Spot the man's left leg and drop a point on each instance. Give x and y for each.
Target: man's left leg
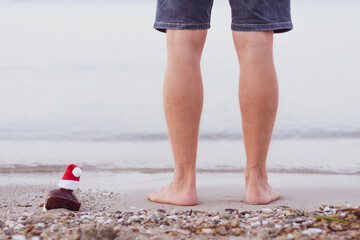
(258, 96)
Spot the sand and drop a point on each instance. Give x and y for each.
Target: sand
(110, 192)
(217, 191)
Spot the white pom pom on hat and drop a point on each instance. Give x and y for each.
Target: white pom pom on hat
(76, 172)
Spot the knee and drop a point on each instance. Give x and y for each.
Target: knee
(185, 45)
(253, 43)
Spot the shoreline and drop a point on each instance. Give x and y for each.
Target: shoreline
(332, 156)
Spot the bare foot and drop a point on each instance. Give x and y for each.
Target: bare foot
(260, 192)
(175, 194)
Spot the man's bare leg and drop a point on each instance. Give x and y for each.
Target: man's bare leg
(183, 100)
(258, 95)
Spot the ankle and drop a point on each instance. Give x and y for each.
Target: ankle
(255, 174)
(184, 180)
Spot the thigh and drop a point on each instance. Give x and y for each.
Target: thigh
(261, 15)
(183, 14)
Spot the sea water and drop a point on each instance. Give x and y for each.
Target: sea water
(82, 81)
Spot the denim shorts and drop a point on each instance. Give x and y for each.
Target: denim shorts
(247, 15)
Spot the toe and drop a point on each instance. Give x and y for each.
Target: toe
(149, 195)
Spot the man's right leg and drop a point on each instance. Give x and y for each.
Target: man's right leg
(183, 100)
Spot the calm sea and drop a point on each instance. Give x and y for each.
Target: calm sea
(82, 81)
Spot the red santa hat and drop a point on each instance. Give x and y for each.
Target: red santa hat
(71, 177)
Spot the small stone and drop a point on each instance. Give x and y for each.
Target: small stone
(199, 221)
(237, 231)
(10, 224)
(296, 225)
(307, 222)
(182, 231)
(27, 214)
(153, 217)
(253, 219)
(266, 210)
(18, 237)
(18, 226)
(208, 230)
(22, 219)
(299, 220)
(71, 214)
(254, 224)
(290, 236)
(278, 226)
(221, 230)
(84, 217)
(47, 217)
(134, 219)
(326, 209)
(43, 235)
(40, 225)
(233, 223)
(311, 231)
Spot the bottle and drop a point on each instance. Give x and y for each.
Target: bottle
(64, 197)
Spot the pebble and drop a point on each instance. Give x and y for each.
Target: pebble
(233, 223)
(43, 235)
(19, 226)
(199, 221)
(266, 210)
(208, 230)
(290, 236)
(253, 224)
(40, 225)
(253, 219)
(326, 209)
(27, 214)
(10, 224)
(84, 217)
(18, 237)
(311, 231)
(278, 226)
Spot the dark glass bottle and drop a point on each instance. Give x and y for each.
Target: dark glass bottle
(62, 198)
